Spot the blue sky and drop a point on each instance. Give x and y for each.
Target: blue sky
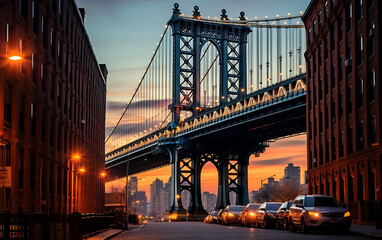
(124, 34)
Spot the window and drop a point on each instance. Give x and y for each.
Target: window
(326, 150)
(348, 61)
(42, 32)
(320, 123)
(350, 140)
(360, 93)
(340, 29)
(33, 172)
(34, 20)
(33, 69)
(360, 50)
(373, 130)
(309, 32)
(51, 43)
(332, 38)
(21, 169)
(326, 47)
(58, 95)
(333, 111)
(8, 103)
(59, 54)
(359, 10)
(33, 119)
(349, 15)
(43, 122)
(349, 104)
(342, 144)
(370, 40)
(42, 77)
(334, 147)
(320, 56)
(24, 8)
(333, 75)
(371, 85)
(21, 112)
(360, 136)
(20, 53)
(340, 68)
(341, 107)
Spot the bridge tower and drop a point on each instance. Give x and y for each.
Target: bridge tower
(230, 39)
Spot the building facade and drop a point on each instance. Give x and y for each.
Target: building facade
(156, 200)
(52, 114)
(291, 175)
(343, 103)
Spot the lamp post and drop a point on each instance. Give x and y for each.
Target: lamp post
(261, 194)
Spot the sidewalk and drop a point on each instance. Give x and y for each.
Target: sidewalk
(366, 230)
(112, 233)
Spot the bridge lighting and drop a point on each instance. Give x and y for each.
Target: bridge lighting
(251, 86)
(288, 14)
(208, 17)
(277, 16)
(266, 17)
(301, 12)
(197, 108)
(222, 97)
(255, 18)
(281, 74)
(216, 18)
(161, 35)
(177, 196)
(166, 26)
(242, 89)
(285, 23)
(298, 22)
(300, 66)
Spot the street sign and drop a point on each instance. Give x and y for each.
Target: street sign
(5, 177)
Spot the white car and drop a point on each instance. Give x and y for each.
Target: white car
(318, 211)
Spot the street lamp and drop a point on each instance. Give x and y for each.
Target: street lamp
(15, 58)
(261, 194)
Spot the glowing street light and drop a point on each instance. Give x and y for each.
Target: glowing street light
(15, 58)
(82, 170)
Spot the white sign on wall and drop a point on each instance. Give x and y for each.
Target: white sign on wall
(5, 177)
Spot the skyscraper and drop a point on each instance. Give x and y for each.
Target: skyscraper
(292, 175)
(156, 199)
(208, 201)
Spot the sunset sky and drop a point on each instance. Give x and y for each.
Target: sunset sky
(124, 34)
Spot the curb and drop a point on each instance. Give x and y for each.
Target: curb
(368, 235)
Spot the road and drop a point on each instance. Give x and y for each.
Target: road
(199, 230)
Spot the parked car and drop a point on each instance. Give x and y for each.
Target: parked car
(248, 215)
(214, 216)
(266, 214)
(208, 218)
(282, 215)
(211, 216)
(231, 214)
(219, 216)
(318, 211)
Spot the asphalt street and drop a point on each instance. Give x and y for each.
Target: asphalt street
(199, 230)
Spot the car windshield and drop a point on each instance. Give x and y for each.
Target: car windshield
(254, 207)
(289, 204)
(321, 202)
(215, 213)
(273, 206)
(236, 208)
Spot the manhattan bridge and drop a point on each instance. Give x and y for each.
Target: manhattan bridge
(215, 90)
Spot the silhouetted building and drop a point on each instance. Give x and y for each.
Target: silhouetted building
(291, 175)
(52, 108)
(254, 197)
(343, 103)
(139, 203)
(156, 199)
(208, 201)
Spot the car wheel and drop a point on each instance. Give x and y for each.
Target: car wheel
(285, 224)
(291, 226)
(246, 224)
(257, 223)
(265, 222)
(304, 229)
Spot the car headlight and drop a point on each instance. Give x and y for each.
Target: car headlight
(252, 214)
(314, 214)
(347, 214)
(231, 214)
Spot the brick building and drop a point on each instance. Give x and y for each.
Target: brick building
(343, 103)
(52, 109)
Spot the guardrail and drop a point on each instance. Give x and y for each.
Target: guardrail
(42, 226)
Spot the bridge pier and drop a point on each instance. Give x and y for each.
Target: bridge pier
(195, 208)
(242, 191)
(223, 194)
(175, 195)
